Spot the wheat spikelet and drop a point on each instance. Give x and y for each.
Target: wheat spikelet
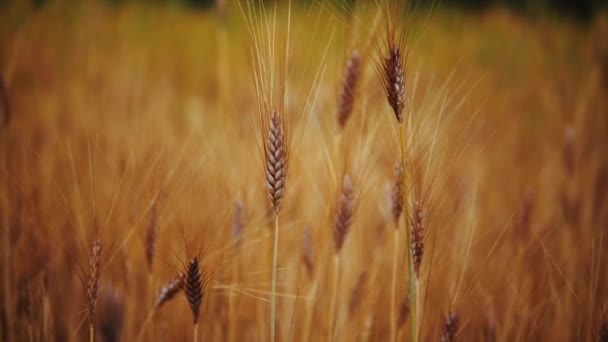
(450, 327)
(397, 194)
(193, 287)
(93, 280)
(276, 160)
(417, 226)
(347, 95)
(168, 292)
(394, 79)
(346, 207)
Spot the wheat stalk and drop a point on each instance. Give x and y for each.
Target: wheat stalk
(276, 159)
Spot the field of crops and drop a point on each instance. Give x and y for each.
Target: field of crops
(237, 173)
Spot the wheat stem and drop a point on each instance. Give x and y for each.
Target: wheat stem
(274, 278)
(91, 333)
(145, 325)
(394, 286)
(418, 306)
(406, 215)
(195, 337)
(334, 293)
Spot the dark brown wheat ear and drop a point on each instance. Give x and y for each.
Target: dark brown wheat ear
(391, 61)
(193, 287)
(348, 88)
(417, 234)
(276, 155)
(344, 215)
(93, 280)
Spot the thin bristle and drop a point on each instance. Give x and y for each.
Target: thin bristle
(168, 292)
(276, 160)
(397, 194)
(93, 280)
(193, 286)
(151, 236)
(348, 90)
(346, 206)
(450, 327)
(417, 226)
(394, 76)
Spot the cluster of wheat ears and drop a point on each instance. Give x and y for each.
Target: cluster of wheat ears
(354, 208)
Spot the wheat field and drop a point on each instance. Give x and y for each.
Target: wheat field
(237, 173)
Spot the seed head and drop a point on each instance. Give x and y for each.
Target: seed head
(348, 89)
(193, 283)
(276, 160)
(346, 207)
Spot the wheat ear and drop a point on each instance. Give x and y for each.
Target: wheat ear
(348, 89)
(193, 286)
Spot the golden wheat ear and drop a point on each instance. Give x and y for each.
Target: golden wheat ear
(276, 159)
(348, 88)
